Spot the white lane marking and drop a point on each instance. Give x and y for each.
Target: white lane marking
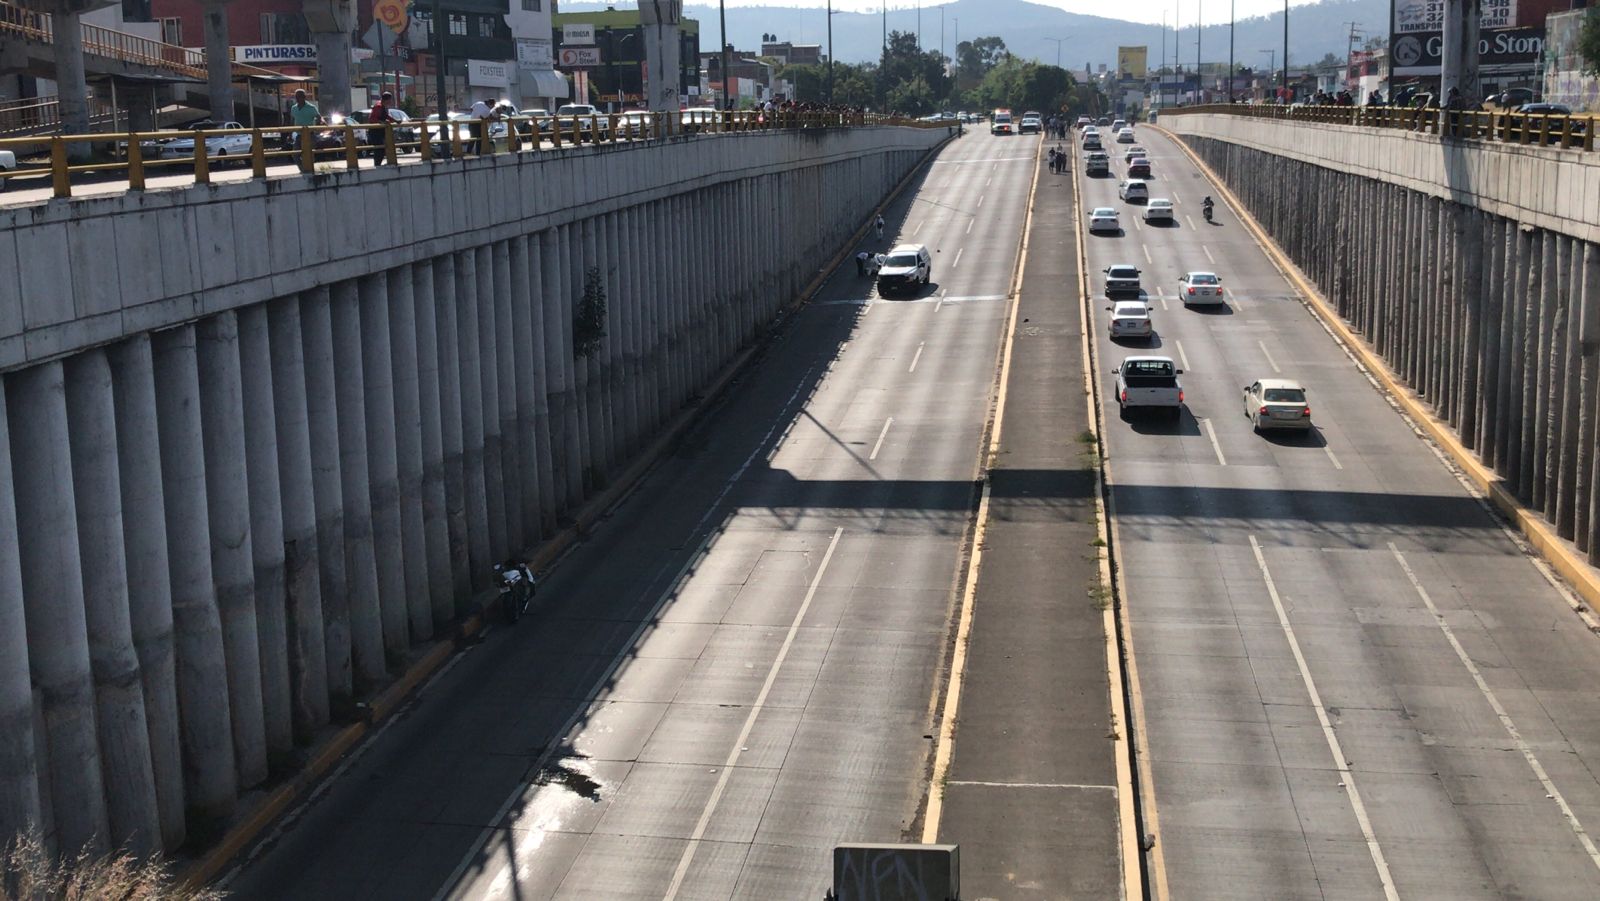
(1268, 354)
(969, 224)
(1340, 761)
(1182, 357)
(1139, 227)
(882, 434)
(918, 230)
(988, 182)
(1211, 432)
(1236, 299)
(990, 159)
(958, 258)
(1505, 719)
(1191, 223)
(1163, 300)
(1147, 259)
(1030, 784)
(749, 724)
(1331, 458)
(980, 201)
(1208, 254)
(504, 878)
(918, 355)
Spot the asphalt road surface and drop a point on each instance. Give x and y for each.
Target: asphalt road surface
(739, 668)
(1355, 683)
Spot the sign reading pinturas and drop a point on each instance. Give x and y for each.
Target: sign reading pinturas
(276, 53)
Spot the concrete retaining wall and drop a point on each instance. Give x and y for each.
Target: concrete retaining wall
(1493, 321)
(261, 441)
(1553, 189)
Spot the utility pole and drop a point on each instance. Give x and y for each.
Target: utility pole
(1199, 29)
(1230, 50)
(830, 52)
(942, 56)
(1161, 78)
(727, 75)
(919, 25)
(1286, 50)
(440, 26)
(1057, 42)
(1459, 57)
(1272, 64)
(1349, 52)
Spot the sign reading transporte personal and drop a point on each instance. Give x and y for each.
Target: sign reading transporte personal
(276, 53)
(579, 57)
(574, 34)
(1416, 16)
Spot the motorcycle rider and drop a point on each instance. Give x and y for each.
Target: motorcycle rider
(1208, 203)
(517, 587)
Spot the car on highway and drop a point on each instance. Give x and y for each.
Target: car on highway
(1139, 167)
(538, 115)
(1118, 125)
(906, 267)
(585, 118)
(1130, 319)
(1091, 141)
(1133, 190)
(1104, 219)
(1149, 383)
(8, 163)
(1084, 122)
(1031, 125)
(1133, 153)
(1088, 132)
(463, 128)
(635, 124)
(1104, 122)
(1124, 136)
(1546, 109)
(1509, 99)
(1096, 163)
(404, 131)
(1122, 278)
(1276, 404)
(1200, 288)
(1158, 209)
(1000, 122)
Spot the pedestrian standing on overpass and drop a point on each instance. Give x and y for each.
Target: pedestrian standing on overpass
(482, 112)
(301, 113)
(378, 117)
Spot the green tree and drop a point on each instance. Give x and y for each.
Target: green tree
(975, 58)
(810, 81)
(1022, 85)
(855, 85)
(903, 63)
(914, 97)
(1589, 42)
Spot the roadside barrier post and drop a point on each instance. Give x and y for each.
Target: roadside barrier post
(258, 154)
(60, 178)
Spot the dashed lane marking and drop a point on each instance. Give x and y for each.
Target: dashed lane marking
(1268, 354)
(882, 434)
(1211, 432)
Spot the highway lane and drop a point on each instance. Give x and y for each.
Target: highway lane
(1355, 683)
(738, 669)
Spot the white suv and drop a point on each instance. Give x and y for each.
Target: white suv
(907, 266)
(1134, 190)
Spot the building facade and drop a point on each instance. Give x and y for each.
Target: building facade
(606, 49)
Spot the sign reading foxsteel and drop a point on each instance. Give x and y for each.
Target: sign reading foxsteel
(579, 57)
(276, 53)
(575, 34)
(488, 73)
(1499, 51)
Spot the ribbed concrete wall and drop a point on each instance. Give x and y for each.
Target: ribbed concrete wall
(232, 525)
(1494, 321)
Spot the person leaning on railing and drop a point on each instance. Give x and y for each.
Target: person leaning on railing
(302, 113)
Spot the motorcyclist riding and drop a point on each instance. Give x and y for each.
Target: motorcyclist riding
(1208, 203)
(517, 587)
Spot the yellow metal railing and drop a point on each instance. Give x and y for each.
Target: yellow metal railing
(139, 155)
(1575, 132)
(112, 44)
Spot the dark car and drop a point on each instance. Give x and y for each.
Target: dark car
(1122, 278)
(1546, 109)
(1139, 168)
(1537, 117)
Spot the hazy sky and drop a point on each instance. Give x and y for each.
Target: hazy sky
(1132, 10)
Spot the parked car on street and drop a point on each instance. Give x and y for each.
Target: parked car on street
(218, 147)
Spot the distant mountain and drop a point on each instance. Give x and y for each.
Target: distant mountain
(1314, 29)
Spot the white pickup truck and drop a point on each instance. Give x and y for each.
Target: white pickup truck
(1148, 382)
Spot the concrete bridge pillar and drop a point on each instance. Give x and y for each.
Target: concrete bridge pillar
(383, 465)
(527, 352)
(302, 567)
(72, 87)
(469, 360)
(435, 503)
(331, 23)
(119, 699)
(203, 686)
(507, 349)
(485, 290)
(266, 529)
(355, 490)
(219, 60)
(19, 770)
(149, 580)
(408, 431)
(52, 592)
(322, 419)
(450, 401)
(232, 560)
(662, 51)
(1459, 57)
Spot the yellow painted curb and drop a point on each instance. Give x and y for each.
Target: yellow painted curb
(988, 447)
(1554, 549)
(1124, 694)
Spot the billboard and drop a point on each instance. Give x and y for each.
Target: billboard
(275, 53)
(574, 33)
(534, 53)
(1501, 51)
(1131, 62)
(579, 57)
(1423, 16)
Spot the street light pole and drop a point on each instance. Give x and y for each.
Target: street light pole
(1286, 49)
(1272, 64)
(1199, 30)
(1230, 50)
(1057, 42)
(727, 76)
(830, 52)
(1161, 77)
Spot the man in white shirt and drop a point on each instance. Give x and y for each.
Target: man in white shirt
(482, 112)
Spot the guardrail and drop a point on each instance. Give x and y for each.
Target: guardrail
(141, 153)
(36, 114)
(1503, 126)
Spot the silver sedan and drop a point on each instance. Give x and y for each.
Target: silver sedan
(1277, 404)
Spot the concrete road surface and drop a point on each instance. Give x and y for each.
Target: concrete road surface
(738, 669)
(1355, 683)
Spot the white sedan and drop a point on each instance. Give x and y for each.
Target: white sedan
(1104, 219)
(1276, 404)
(1159, 209)
(1130, 319)
(1200, 287)
(1133, 153)
(8, 163)
(217, 146)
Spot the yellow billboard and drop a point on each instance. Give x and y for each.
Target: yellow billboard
(1131, 62)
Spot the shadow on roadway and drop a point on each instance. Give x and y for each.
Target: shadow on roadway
(1311, 437)
(921, 293)
(1209, 309)
(1161, 422)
